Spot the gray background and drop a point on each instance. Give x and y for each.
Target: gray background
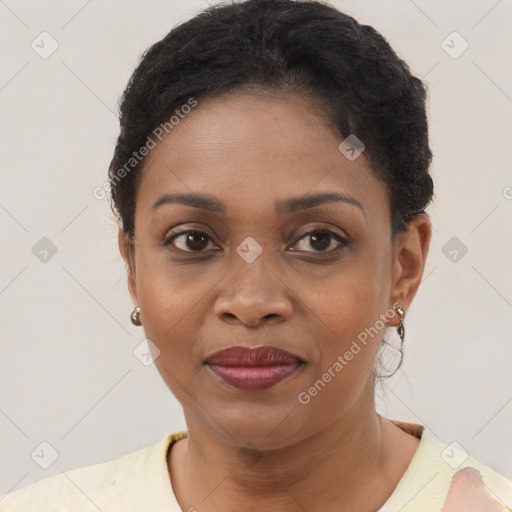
(68, 373)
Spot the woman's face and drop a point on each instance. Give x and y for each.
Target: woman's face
(258, 160)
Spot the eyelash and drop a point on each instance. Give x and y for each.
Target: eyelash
(343, 243)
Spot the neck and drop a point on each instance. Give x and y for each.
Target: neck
(334, 468)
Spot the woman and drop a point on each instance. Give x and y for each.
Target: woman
(271, 178)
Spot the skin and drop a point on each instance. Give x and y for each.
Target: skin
(265, 449)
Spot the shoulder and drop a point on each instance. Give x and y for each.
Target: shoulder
(103, 486)
(445, 477)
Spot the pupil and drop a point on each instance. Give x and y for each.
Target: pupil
(196, 241)
(320, 241)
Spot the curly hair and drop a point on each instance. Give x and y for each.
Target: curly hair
(306, 47)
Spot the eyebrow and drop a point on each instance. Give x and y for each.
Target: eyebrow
(284, 207)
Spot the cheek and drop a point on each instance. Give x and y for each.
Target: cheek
(343, 375)
(170, 321)
(170, 302)
(354, 297)
(167, 291)
(349, 313)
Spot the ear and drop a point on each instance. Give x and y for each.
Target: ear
(409, 255)
(127, 252)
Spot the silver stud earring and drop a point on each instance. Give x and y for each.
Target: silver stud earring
(135, 316)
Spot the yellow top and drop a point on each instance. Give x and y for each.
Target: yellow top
(439, 477)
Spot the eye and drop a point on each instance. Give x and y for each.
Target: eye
(321, 240)
(189, 241)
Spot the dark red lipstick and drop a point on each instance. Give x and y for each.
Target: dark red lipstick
(253, 369)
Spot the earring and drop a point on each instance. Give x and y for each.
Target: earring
(400, 328)
(401, 332)
(135, 316)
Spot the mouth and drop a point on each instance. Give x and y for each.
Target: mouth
(253, 369)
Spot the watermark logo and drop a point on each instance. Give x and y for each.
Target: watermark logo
(454, 249)
(454, 45)
(146, 352)
(454, 455)
(351, 147)
(44, 454)
(44, 45)
(44, 250)
(249, 249)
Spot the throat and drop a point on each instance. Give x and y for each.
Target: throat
(359, 473)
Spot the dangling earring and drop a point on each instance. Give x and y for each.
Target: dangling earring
(401, 332)
(135, 317)
(400, 328)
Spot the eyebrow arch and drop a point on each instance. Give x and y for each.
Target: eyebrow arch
(205, 202)
(310, 201)
(287, 206)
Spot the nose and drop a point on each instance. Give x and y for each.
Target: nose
(253, 295)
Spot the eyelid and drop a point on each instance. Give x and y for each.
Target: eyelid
(342, 240)
(185, 228)
(321, 227)
(170, 237)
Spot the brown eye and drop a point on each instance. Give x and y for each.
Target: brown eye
(321, 240)
(189, 241)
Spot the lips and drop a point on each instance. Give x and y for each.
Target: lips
(253, 369)
(256, 356)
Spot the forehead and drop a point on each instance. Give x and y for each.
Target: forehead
(250, 149)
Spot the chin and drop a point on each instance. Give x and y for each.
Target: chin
(257, 426)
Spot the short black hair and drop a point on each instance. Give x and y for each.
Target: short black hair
(306, 47)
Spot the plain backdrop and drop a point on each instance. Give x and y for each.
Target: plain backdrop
(69, 376)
